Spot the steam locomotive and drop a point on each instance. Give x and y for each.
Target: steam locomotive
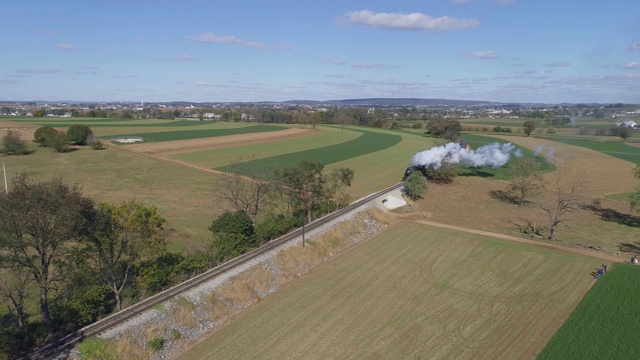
(423, 169)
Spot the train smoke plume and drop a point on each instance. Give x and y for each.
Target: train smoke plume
(493, 155)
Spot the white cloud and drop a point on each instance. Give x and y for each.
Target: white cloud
(67, 47)
(232, 40)
(631, 65)
(480, 54)
(202, 83)
(359, 65)
(558, 64)
(635, 46)
(413, 21)
(38, 71)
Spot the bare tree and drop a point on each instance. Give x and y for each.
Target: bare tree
(14, 288)
(248, 187)
(526, 181)
(566, 200)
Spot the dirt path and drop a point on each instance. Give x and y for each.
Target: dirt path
(584, 252)
(166, 148)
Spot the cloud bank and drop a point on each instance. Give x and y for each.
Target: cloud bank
(413, 21)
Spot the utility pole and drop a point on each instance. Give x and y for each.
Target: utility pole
(6, 189)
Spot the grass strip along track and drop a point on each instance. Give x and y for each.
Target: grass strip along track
(605, 324)
(202, 133)
(368, 143)
(414, 292)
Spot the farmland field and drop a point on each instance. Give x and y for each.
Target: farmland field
(605, 324)
(368, 143)
(414, 292)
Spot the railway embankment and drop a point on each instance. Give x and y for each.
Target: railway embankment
(188, 313)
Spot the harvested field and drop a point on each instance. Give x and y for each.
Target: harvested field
(166, 148)
(414, 292)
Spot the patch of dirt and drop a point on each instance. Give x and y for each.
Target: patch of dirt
(25, 130)
(165, 148)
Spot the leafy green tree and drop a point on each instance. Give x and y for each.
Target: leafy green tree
(415, 185)
(305, 185)
(445, 128)
(125, 233)
(77, 134)
(335, 185)
(57, 140)
(529, 126)
(40, 222)
(445, 173)
(526, 179)
(41, 134)
(233, 235)
(624, 132)
(38, 113)
(12, 144)
(635, 197)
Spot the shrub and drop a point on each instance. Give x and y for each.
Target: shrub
(446, 173)
(78, 134)
(41, 134)
(415, 185)
(57, 140)
(12, 144)
(156, 344)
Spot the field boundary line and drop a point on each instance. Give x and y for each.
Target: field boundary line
(518, 240)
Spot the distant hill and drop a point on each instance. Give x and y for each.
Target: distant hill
(393, 102)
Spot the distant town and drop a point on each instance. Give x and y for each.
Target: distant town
(379, 112)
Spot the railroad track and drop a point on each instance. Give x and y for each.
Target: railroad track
(67, 343)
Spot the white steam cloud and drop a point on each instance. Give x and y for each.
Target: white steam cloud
(493, 155)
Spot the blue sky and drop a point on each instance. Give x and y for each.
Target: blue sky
(276, 50)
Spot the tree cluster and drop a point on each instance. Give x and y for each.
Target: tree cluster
(444, 128)
(81, 260)
(58, 140)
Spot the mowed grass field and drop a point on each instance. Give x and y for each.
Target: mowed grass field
(605, 324)
(414, 292)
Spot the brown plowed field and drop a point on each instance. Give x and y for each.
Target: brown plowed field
(166, 148)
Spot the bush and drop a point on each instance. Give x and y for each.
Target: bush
(415, 185)
(57, 140)
(78, 134)
(12, 144)
(156, 344)
(445, 174)
(41, 134)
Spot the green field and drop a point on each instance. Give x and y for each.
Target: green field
(369, 142)
(223, 156)
(414, 292)
(614, 148)
(605, 324)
